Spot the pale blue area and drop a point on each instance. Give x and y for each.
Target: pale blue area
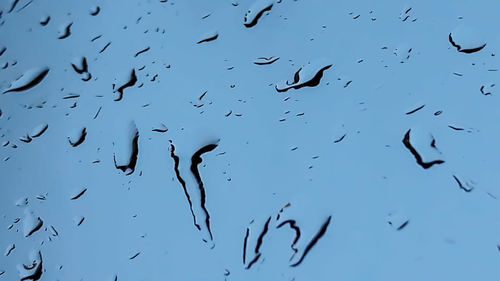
(363, 181)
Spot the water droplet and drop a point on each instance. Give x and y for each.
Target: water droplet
(39, 130)
(208, 36)
(94, 11)
(31, 224)
(28, 80)
(255, 11)
(127, 149)
(65, 30)
(466, 39)
(45, 20)
(77, 136)
(307, 76)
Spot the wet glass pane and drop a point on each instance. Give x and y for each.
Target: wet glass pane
(249, 140)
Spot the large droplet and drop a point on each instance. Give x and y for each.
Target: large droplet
(28, 80)
(126, 148)
(466, 39)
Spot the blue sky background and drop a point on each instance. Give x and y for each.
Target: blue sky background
(273, 149)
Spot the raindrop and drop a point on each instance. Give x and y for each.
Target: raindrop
(21, 202)
(79, 220)
(9, 249)
(28, 80)
(264, 60)
(39, 130)
(80, 194)
(35, 270)
(45, 20)
(127, 149)
(208, 36)
(308, 76)
(94, 11)
(160, 129)
(26, 139)
(31, 224)
(397, 220)
(12, 5)
(65, 30)
(255, 11)
(77, 137)
(132, 79)
(466, 40)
